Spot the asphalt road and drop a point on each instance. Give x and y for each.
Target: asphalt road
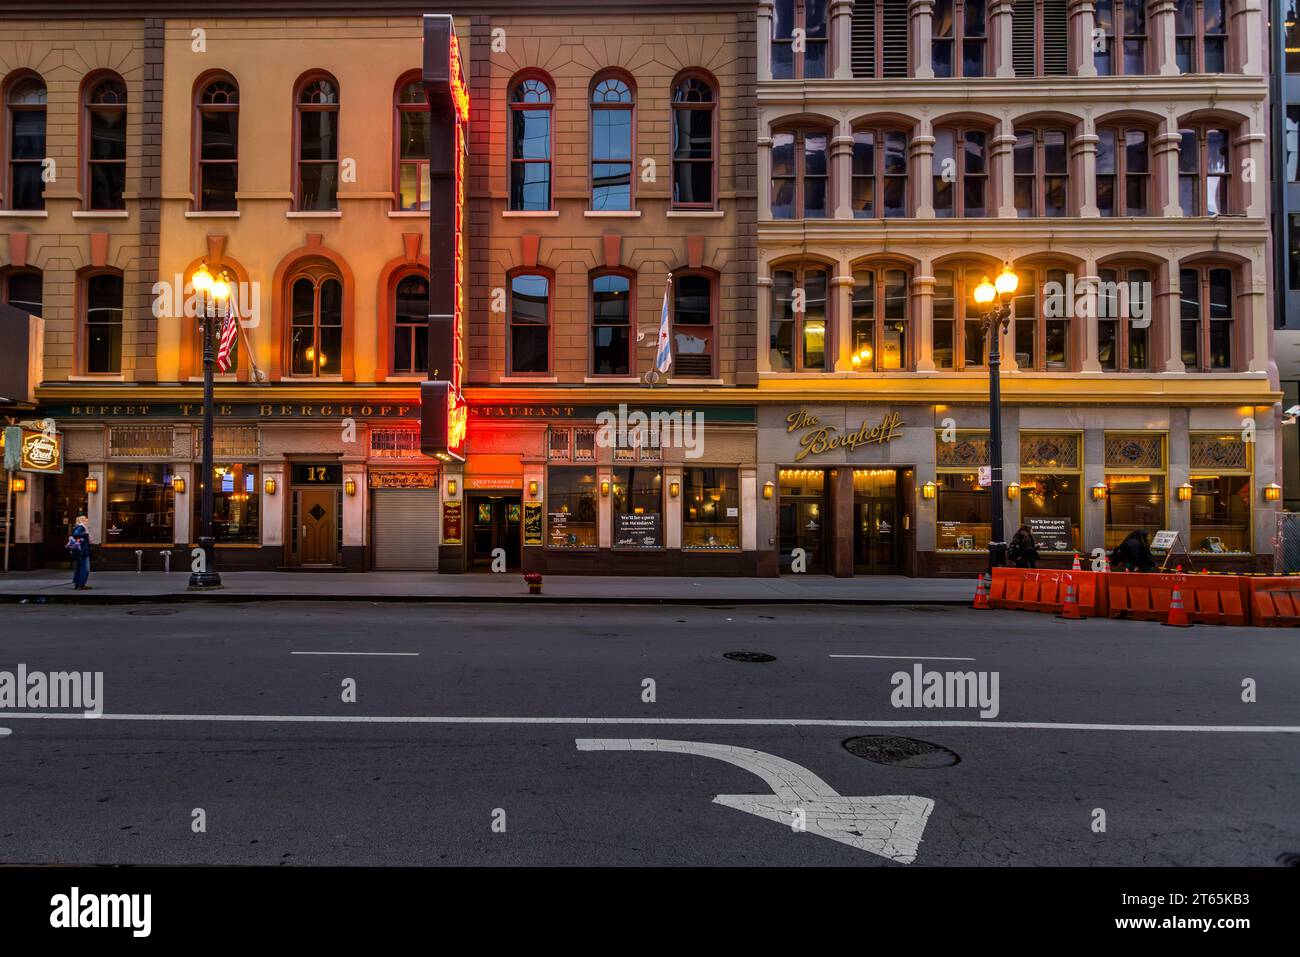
(123, 788)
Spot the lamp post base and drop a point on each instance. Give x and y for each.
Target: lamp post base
(209, 578)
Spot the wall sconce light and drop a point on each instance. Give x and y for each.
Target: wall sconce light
(178, 485)
(451, 487)
(92, 486)
(532, 488)
(1099, 491)
(929, 490)
(674, 488)
(269, 485)
(18, 483)
(604, 489)
(1272, 492)
(350, 486)
(1185, 492)
(768, 490)
(1013, 491)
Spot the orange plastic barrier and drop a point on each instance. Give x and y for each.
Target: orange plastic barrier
(1208, 599)
(1274, 602)
(1043, 589)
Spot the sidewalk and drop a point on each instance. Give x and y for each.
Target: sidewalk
(120, 587)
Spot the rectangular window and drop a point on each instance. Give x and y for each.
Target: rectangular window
(104, 324)
(1221, 470)
(530, 305)
(571, 507)
(710, 508)
(964, 512)
(944, 317)
(1051, 480)
(236, 505)
(413, 159)
(692, 327)
(1135, 484)
(636, 497)
(139, 506)
(611, 325)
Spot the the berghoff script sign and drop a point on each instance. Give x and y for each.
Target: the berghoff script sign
(818, 439)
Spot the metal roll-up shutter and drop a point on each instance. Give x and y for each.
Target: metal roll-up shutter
(405, 529)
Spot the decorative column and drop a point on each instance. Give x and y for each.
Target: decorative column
(920, 16)
(842, 286)
(766, 12)
(999, 19)
(1164, 151)
(921, 148)
(1082, 15)
(842, 169)
(922, 323)
(1251, 146)
(272, 504)
(1167, 312)
(841, 38)
(1247, 37)
(762, 320)
(1083, 167)
(1086, 336)
(1253, 305)
(1002, 170)
(764, 177)
(749, 509)
(1162, 57)
(354, 509)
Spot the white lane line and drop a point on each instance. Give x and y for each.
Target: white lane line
(4, 731)
(716, 722)
(904, 657)
(376, 654)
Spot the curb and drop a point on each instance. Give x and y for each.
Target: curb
(237, 597)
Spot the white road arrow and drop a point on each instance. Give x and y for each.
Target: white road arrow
(890, 825)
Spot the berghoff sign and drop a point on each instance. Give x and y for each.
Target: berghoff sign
(817, 439)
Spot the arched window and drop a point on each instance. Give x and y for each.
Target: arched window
(1123, 171)
(612, 129)
(412, 145)
(959, 338)
(799, 61)
(961, 172)
(102, 323)
(959, 38)
(105, 132)
(1123, 26)
(693, 331)
(879, 328)
(1042, 164)
(1124, 304)
(218, 145)
(879, 173)
(25, 134)
(1207, 313)
(611, 324)
(798, 336)
(1202, 36)
(800, 174)
(528, 343)
(411, 324)
(1205, 171)
(530, 145)
(1041, 311)
(316, 323)
(22, 289)
(317, 107)
(693, 143)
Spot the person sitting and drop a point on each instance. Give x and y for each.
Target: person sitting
(1023, 550)
(1133, 554)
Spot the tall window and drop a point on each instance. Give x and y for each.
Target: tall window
(529, 342)
(1051, 484)
(1041, 326)
(318, 145)
(1205, 172)
(1123, 172)
(611, 144)
(1124, 319)
(611, 324)
(879, 39)
(530, 145)
(798, 339)
(1207, 310)
(788, 61)
(139, 505)
(316, 334)
(878, 328)
(694, 106)
(963, 507)
(103, 323)
(1040, 37)
(1202, 36)
(1136, 477)
(236, 503)
(959, 41)
(1042, 162)
(710, 508)
(411, 324)
(800, 174)
(21, 289)
(961, 173)
(412, 146)
(879, 173)
(693, 333)
(106, 137)
(1123, 24)
(218, 146)
(959, 339)
(25, 102)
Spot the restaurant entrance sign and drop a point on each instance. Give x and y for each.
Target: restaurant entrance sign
(817, 438)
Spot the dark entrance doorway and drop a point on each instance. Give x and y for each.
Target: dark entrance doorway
(65, 499)
(495, 523)
(803, 518)
(876, 520)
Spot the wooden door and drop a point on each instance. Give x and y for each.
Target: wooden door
(317, 509)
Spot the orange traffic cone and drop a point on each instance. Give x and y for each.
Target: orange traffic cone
(1070, 607)
(1076, 567)
(981, 596)
(1177, 614)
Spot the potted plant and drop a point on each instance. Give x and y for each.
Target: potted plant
(534, 580)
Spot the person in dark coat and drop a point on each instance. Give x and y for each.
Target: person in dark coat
(81, 554)
(1133, 554)
(1023, 550)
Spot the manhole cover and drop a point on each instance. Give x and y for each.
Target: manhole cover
(1289, 859)
(153, 612)
(757, 657)
(900, 752)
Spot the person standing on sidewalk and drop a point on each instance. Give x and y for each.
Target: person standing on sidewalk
(79, 549)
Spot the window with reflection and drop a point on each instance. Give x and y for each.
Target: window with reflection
(103, 324)
(959, 338)
(1207, 311)
(529, 309)
(798, 339)
(1123, 171)
(1123, 38)
(411, 324)
(531, 100)
(139, 505)
(636, 506)
(710, 508)
(318, 145)
(1124, 304)
(693, 143)
(218, 134)
(25, 106)
(316, 331)
(106, 137)
(800, 174)
(1042, 172)
(961, 173)
(236, 504)
(572, 507)
(1041, 312)
(803, 21)
(692, 325)
(611, 324)
(879, 324)
(611, 144)
(959, 38)
(413, 131)
(879, 173)
(1201, 36)
(1205, 171)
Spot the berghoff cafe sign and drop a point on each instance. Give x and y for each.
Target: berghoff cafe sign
(817, 439)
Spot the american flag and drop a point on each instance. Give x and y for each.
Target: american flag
(229, 333)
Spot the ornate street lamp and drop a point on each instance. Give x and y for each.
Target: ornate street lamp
(213, 293)
(996, 297)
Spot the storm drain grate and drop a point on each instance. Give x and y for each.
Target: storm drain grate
(901, 752)
(757, 657)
